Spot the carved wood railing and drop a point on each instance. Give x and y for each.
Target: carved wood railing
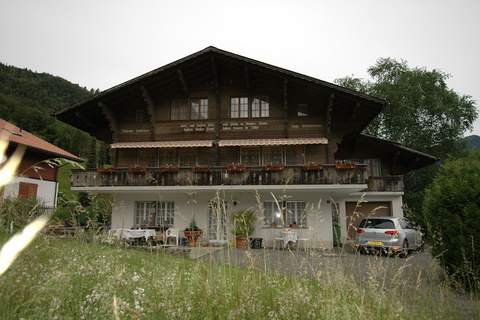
(326, 174)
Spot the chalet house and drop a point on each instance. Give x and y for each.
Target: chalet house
(34, 177)
(216, 127)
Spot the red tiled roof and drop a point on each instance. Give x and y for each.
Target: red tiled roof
(20, 136)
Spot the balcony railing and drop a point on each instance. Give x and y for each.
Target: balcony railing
(386, 183)
(217, 176)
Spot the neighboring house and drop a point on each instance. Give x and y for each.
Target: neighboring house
(34, 177)
(216, 122)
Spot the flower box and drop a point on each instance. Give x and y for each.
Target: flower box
(274, 168)
(104, 170)
(137, 169)
(236, 168)
(312, 167)
(201, 169)
(168, 168)
(345, 166)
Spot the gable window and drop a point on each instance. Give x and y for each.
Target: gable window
(302, 110)
(260, 107)
(150, 213)
(180, 110)
(243, 107)
(189, 109)
(199, 109)
(239, 107)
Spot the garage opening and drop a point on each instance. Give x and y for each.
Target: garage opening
(355, 213)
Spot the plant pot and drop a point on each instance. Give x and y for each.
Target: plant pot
(192, 237)
(241, 242)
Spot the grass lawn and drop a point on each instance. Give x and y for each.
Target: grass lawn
(76, 279)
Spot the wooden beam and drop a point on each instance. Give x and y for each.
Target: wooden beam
(247, 76)
(182, 81)
(112, 122)
(85, 121)
(285, 106)
(354, 113)
(329, 113)
(213, 66)
(150, 110)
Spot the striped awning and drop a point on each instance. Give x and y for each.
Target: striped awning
(271, 142)
(162, 144)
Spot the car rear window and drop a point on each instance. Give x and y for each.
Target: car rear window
(377, 224)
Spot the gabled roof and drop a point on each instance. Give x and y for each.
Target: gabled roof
(22, 137)
(215, 50)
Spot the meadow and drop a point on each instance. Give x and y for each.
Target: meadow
(77, 278)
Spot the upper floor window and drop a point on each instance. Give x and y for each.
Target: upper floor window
(199, 108)
(189, 109)
(302, 110)
(272, 155)
(243, 107)
(239, 107)
(260, 107)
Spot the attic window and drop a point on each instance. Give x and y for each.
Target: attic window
(302, 110)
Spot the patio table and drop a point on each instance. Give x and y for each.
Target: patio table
(133, 233)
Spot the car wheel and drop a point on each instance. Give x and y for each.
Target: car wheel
(404, 252)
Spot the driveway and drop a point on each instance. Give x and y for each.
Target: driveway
(330, 264)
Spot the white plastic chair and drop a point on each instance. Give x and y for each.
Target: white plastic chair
(171, 233)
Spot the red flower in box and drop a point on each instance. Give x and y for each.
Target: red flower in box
(274, 168)
(236, 168)
(312, 167)
(104, 170)
(345, 165)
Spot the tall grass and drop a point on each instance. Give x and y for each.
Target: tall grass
(77, 279)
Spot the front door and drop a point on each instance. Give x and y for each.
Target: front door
(217, 220)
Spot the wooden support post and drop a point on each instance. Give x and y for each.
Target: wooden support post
(285, 106)
(112, 122)
(182, 81)
(354, 113)
(328, 118)
(247, 77)
(150, 110)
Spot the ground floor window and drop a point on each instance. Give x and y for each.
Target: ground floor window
(285, 214)
(160, 213)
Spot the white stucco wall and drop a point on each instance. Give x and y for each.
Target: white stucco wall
(46, 190)
(319, 231)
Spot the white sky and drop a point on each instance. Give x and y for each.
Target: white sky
(102, 43)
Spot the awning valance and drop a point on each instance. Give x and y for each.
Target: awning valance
(162, 144)
(271, 142)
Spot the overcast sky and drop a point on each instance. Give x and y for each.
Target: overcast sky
(102, 43)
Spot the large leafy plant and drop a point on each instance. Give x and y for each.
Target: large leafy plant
(244, 223)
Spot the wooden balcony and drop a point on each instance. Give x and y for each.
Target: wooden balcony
(291, 175)
(386, 183)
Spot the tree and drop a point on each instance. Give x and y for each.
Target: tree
(421, 113)
(452, 211)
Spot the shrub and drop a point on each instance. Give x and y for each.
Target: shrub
(16, 213)
(452, 213)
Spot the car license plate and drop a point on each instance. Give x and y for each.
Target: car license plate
(375, 243)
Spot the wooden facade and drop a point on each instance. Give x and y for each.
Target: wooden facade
(214, 95)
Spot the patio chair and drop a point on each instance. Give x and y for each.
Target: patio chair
(171, 233)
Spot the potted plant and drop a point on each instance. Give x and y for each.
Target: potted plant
(236, 168)
(344, 165)
(312, 166)
(243, 227)
(168, 168)
(192, 233)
